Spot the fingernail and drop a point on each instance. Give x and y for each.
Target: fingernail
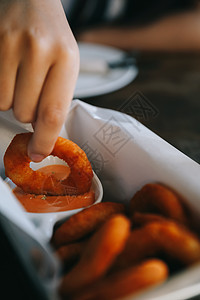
(36, 157)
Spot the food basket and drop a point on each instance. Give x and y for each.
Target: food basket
(125, 155)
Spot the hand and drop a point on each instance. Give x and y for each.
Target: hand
(39, 64)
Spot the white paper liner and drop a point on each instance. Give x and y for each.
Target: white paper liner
(126, 155)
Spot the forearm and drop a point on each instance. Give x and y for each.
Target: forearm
(180, 32)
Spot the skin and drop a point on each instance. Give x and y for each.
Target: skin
(39, 62)
(176, 32)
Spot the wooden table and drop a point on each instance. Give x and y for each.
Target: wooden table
(165, 97)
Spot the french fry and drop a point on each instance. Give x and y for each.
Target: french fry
(167, 237)
(140, 219)
(130, 281)
(85, 222)
(71, 252)
(114, 261)
(98, 255)
(158, 199)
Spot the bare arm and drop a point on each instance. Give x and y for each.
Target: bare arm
(178, 32)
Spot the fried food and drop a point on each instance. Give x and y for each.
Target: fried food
(140, 219)
(167, 237)
(176, 241)
(17, 168)
(98, 255)
(140, 245)
(130, 281)
(68, 254)
(158, 199)
(85, 222)
(116, 262)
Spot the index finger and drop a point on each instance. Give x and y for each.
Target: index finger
(53, 106)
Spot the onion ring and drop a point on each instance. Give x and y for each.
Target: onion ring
(17, 168)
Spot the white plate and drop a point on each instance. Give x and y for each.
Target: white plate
(94, 84)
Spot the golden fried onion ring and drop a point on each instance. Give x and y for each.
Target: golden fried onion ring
(17, 168)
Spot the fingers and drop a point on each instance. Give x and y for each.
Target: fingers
(8, 72)
(53, 106)
(29, 82)
(39, 63)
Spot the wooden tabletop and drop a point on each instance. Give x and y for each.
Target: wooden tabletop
(165, 97)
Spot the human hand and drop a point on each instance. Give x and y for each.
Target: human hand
(39, 64)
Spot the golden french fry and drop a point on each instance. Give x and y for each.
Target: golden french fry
(158, 199)
(71, 252)
(85, 222)
(130, 281)
(98, 255)
(140, 219)
(167, 237)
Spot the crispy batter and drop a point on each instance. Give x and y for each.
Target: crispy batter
(112, 263)
(85, 222)
(158, 199)
(17, 168)
(98, 255)
(140, 219)
(139, 246)
(126, 282)
(165, 237)
(176, 241)
(71, 252)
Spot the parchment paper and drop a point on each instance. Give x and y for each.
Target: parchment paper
(125, 155)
